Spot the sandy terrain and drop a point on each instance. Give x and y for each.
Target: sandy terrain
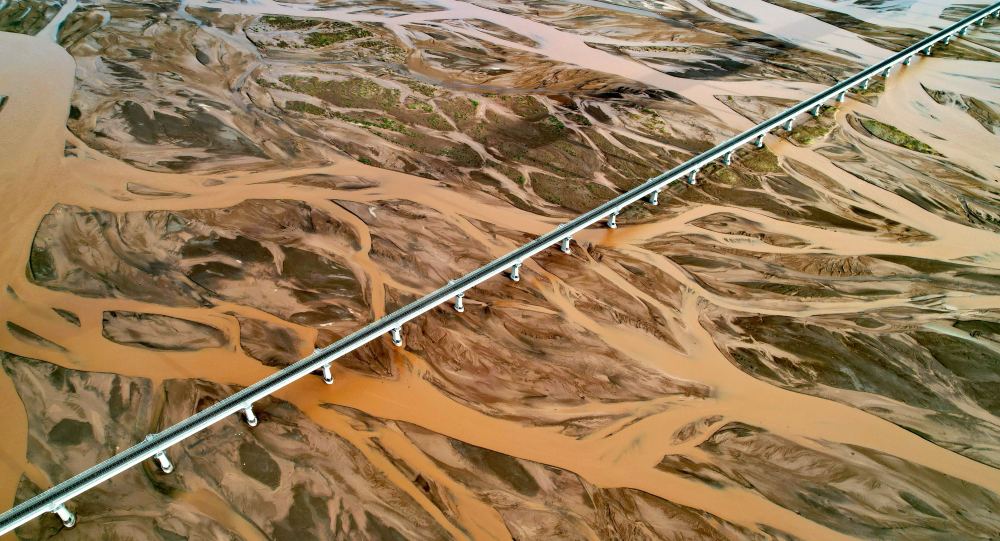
(196, 193)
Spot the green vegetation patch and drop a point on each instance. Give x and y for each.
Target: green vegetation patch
(814, 129)
(761, 160)
(304, 107)
(875, 87)
(323, 39)
(384, 50)
(382, 122)
(526, 107)
(463, 155)
(731, 176)
(284, 22)
(894, 135)
(459, 109)
(575, 194)
(355, 92)
(418, 105)
(425, 89)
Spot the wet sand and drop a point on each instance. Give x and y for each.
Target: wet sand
(803, 346)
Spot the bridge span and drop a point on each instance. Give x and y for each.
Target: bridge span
(155, 446)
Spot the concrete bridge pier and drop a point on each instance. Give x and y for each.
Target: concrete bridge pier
(760, 141)
(946, 40)
(908, 60)
(397, 336)
(248, 414)
(841, 97)
(887, 72)
(863, 85)
(728, 158)
(327, 375)
(564, 245)
(68, 517)
(654, 198)
(788, 125)
(930, 49)
(515, 272)
(613, 220)
(963, 31)
(459, 307)
(815, 110)
(692, 177)
(164, 462)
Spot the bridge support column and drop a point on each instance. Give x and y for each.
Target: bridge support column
(930, 50)
(863, 85)
(946, 41)
(841, 97)
(759, 143)
(459, 307)
(907, 61)
(654, 198)
(68, 517)
(815, 110)
(251, 419)
(564, 245)
(887, 72)
(613, 220)
(164, 462)
(397, 335)
(728, 158)
(981, 22)
(788, 125)
(327, 374)
(515, 272)
(693, 177)
(963, 31)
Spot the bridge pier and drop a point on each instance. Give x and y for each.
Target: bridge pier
(841, 97)
(327, 375)
(946, 40)
(760, 141)
(930, 49)
(248, 414)
(459, 307)
(728, 158)
(164, 462)
(397, 335)
(887, 72)
(515, 272)
(907, 61)
(613, 220)
(692, 177)
(564, 245)
(963, 31)
(68, 517)
(788, 125)
(654, 198)
(863, 85)
(815, 110)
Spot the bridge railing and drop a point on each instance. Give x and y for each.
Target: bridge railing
(154, 446)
